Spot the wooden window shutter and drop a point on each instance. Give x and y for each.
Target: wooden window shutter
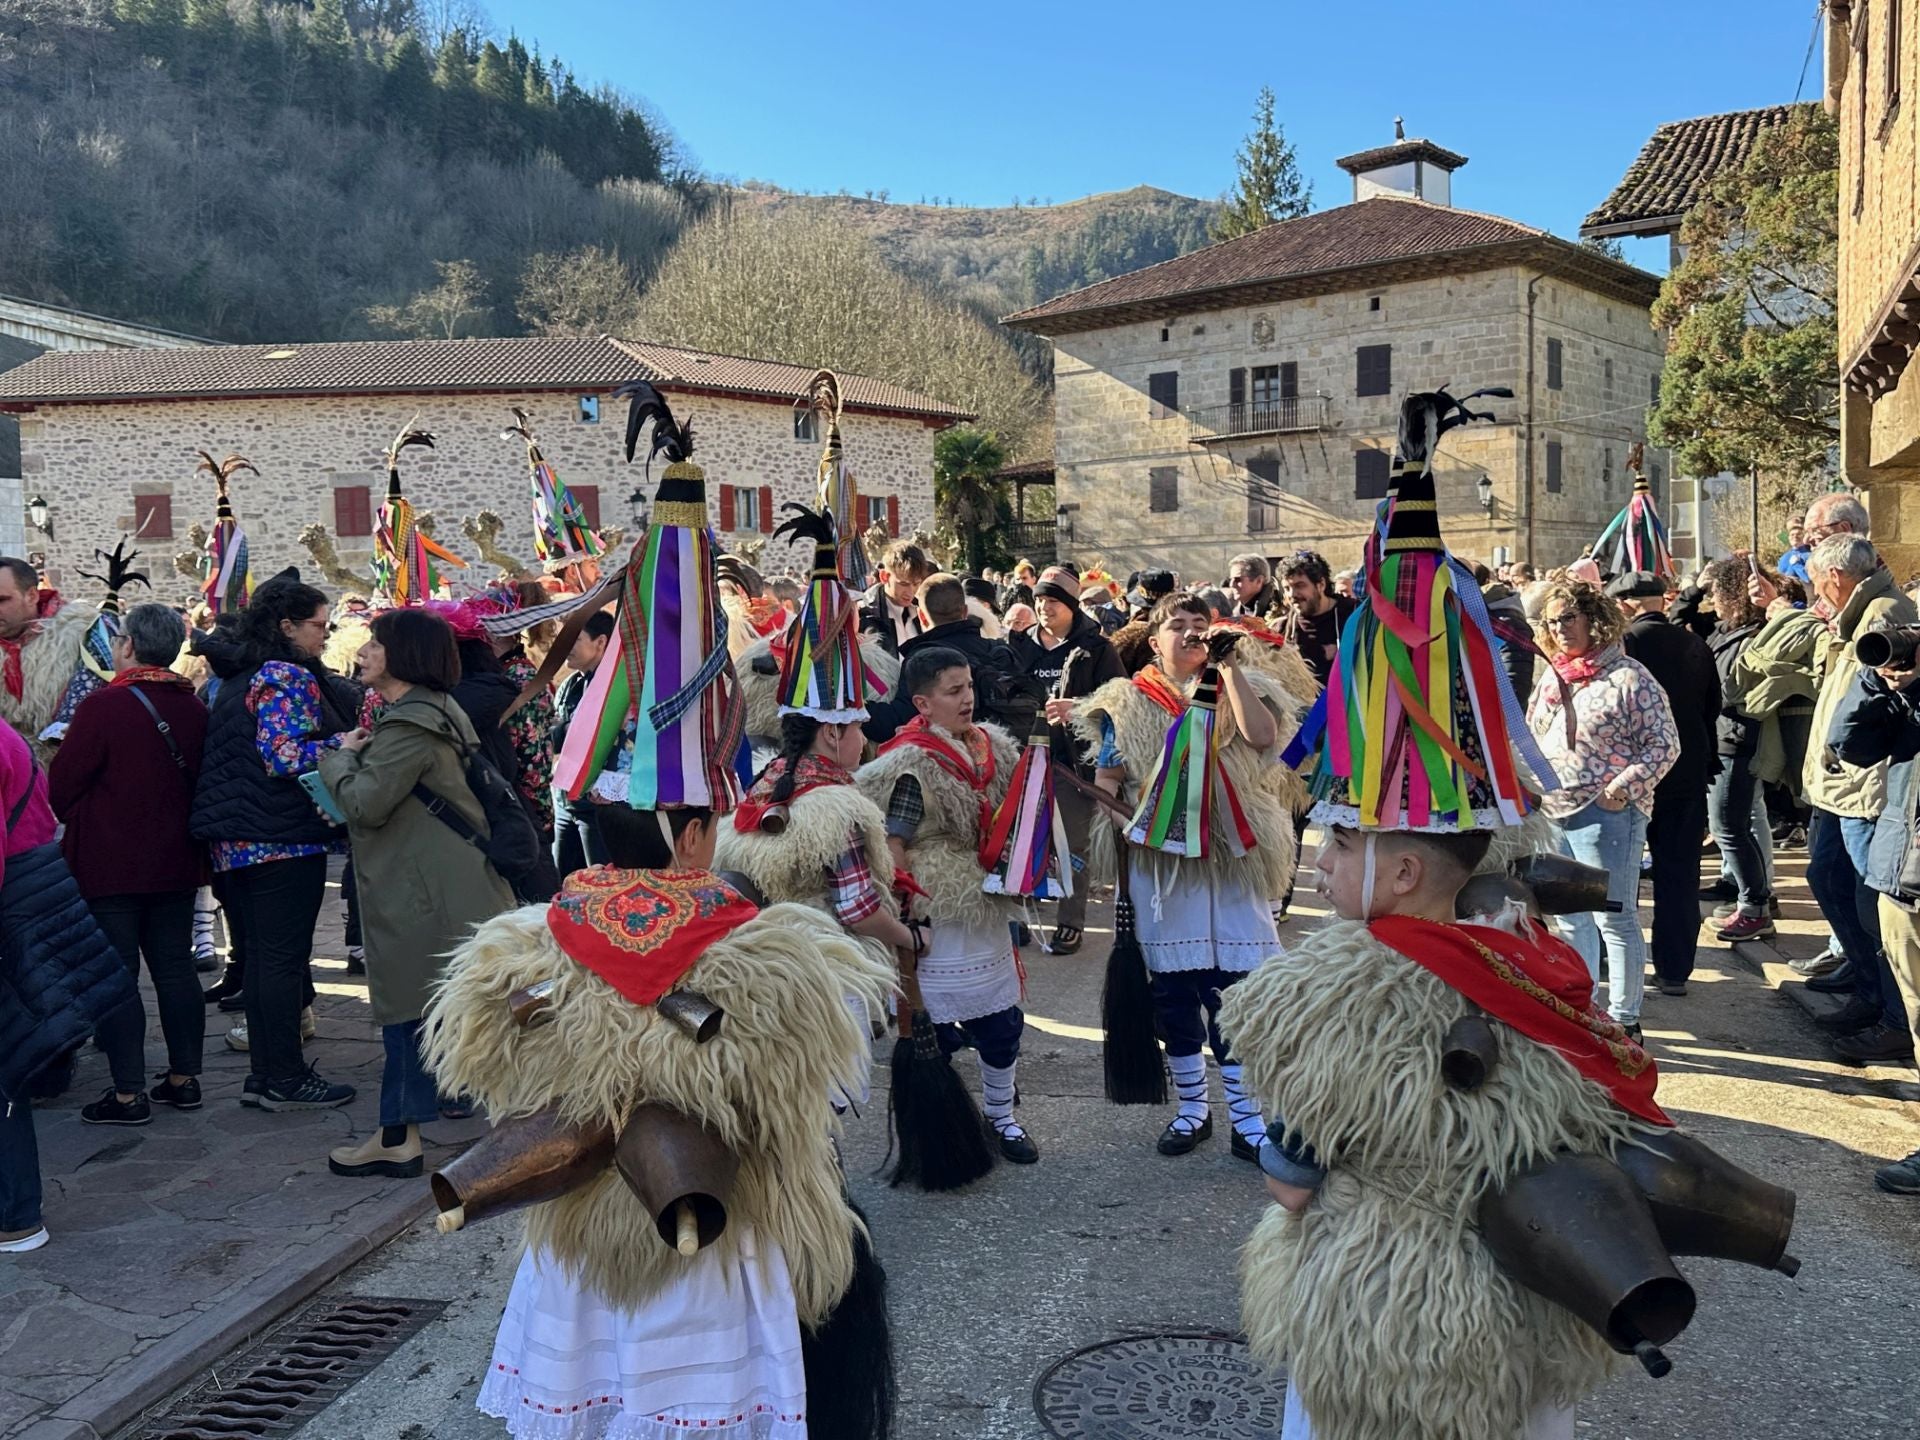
(152, 517)
(352, 510)
(1372, 474)
(1237, 385)
(766, 509)
(1553, 467)
(1163, 393)
(589, 498)
(1555, 364)
(1373, 370)
(1289, 380)
(893, 517)
(726, 507)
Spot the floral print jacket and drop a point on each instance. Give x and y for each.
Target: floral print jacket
(1623, 734)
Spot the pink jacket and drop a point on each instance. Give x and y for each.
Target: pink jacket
(19, 776)
(1623, 735)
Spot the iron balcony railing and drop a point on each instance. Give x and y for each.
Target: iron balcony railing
(1258, 417)
(1032, 540)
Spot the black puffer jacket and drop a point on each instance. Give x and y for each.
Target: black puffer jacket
(236, 798)
(1000, 692)
(1736, 734)
(1076, 668)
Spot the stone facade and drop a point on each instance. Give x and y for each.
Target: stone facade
(1464, 331)
(93, 461)
(1873, 87)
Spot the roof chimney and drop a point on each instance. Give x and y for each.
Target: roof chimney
(1406, 169)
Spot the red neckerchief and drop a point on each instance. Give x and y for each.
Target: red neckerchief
(1579, 669)
(1541, 988)
(974, 770)
(1153, 683)
(641, 930)
(150, 675)
(814, 772)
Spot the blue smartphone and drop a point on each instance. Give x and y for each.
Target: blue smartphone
(322, 797)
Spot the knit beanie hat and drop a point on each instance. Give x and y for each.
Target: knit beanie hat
(1061, 583)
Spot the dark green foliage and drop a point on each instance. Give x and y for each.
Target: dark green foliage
(266, 171)
(1112, 243)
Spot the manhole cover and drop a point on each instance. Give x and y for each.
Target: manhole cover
(1158, 1387)
(277, 1384)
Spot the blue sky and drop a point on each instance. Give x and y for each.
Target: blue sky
(1550, 101)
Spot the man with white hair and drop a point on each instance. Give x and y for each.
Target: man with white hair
(1837, 514)
(1856, 593)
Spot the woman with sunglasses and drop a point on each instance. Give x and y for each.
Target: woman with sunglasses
(1609, 751)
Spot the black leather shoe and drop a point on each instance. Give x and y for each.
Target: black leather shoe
(1834, 982)
(1856, 1014)
(1019, 1149)
(1177, 1140)
(1245, 1149)
(1875, 1045)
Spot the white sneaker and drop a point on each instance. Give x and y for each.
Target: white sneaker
(237, 1036)
(15, 1244)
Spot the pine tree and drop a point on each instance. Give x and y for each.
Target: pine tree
(330, 58)
(1271, 186)
(456, 104)
(406, 90)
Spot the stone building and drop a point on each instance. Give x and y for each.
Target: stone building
(1710, 514)
(1873, 60)
(1245, 397)
(109, 438)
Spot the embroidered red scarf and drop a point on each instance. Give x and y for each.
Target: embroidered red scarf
(974, 768)
(150, 675)
(814, 772)
(1541, 988)
(641, 930)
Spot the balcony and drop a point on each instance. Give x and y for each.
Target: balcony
(1033, 540)
(1280, 415)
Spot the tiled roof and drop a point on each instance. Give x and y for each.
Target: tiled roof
(1399, 153)
(409, 367)
(1676, 165)
(1378, 231)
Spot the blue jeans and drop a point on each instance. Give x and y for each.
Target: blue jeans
(19, 1167)
(408, 1095)
(1730, 816)
(1613, 840)
(1836, 867)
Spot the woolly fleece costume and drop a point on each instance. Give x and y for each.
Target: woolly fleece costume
(1382, 1301)
(47, 664)
(792, 866)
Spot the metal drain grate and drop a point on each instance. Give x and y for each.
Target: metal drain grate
(294, 1372)
(1180, 1386)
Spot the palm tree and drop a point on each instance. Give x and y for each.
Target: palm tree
(966, 497)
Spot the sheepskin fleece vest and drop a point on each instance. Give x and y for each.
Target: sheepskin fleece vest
(944, 856)
(788, 1040)
(47, 663)
(1269, 792)
(1381, 1299)
(792, 866)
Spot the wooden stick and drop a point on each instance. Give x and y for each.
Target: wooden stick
(688, 1225)
(1067, 775)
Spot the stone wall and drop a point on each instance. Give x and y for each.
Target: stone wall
(91, 461)
(1465, 331)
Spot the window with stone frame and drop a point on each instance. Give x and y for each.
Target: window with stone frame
(1372, 474)
(589, 498)
(153, 517)
(1373, 370)
(804, 427)
(352, 510)
(1163, 489)
(1263, 495)
(1556, 365)
(1163, 394)
(1553, 467)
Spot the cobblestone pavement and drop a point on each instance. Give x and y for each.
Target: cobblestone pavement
(1104, 1237)
(163, 1234)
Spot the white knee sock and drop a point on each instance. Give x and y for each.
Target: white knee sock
(996, 1099)
(1190, 1086)
(1242, 1109)
(203, 912)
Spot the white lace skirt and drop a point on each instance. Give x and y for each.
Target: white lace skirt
(968, 971)
(1198, 918)
(717, 1354)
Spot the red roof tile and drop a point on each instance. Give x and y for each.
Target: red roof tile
(1675, 167)
(1374, 232)
(408, 367)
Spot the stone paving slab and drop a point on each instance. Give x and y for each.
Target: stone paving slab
(174, 1241)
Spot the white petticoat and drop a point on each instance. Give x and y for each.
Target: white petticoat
(716, 1354)
(1198, 918)
(1549, 1422)
(968, 971)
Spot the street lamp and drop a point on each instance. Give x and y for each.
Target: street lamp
(1485, 486)
(40, 515)
(637, 509)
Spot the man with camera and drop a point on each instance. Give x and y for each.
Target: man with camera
(1857, 594)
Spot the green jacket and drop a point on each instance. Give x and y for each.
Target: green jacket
(422, 888)
(1771, 677)
(1858, 791)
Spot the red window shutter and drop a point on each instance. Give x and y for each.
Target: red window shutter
(766, 509)
(589, 498)
(352, 510)
(152, 517)
(893, 516)
(726, 507)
